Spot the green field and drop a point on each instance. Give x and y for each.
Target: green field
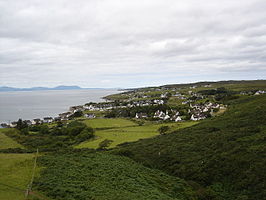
(125, 131)
(16, 170)
(6, 142)
(108, 123)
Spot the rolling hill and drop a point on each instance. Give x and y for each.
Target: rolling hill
(225, 154)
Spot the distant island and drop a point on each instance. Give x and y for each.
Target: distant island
(61, 87)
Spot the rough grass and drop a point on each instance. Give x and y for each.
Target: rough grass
(6, 142)
(129, 134)
(15, 170)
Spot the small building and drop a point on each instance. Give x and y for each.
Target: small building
(197, 117)
(205, 109)
(166, 117)
(65, 116)
(57, 119)
(178, 119)
(75, 108)
(28, 122)
(259, 92)
(13, 124)
(36, 121)
(141, 115)
(90, 116)
(47, 119)
(4, 125)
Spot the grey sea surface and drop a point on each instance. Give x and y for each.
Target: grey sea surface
(49, 103)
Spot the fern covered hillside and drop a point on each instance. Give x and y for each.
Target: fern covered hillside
(226, 154)
(85, 175)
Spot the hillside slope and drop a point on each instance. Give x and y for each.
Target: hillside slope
(226, 154)
(84, 175)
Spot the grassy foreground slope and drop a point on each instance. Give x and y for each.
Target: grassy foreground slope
(6, 142)
(15, 170)
(101, 176)
(226, 154)
(15, 175)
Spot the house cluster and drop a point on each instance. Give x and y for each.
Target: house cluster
(201, 111)
(29, 122)
(174, 116)
(260, 92)
(111, 105)
(89, 107)
(196, 112)
(145, 103)
(160, 115)
(99, 106)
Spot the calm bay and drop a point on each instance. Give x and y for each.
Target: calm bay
(48, 103)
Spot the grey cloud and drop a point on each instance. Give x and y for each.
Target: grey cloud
(89, 42)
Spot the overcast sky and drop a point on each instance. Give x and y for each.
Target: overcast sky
(130, 43)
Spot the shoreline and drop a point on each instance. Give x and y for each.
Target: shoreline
(96, 96)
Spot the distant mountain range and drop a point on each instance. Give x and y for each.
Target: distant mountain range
(61, 87)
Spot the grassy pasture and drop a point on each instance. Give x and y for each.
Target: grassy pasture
(128, 133)
(6, 142)
(16, 170)
(108, 123)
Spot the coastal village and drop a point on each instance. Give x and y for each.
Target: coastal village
(210, 121)
(156, 104)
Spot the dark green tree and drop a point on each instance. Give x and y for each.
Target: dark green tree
(21, 124)
(85, 134)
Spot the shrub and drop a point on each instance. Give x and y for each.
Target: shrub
(105, 144)
(163, 129)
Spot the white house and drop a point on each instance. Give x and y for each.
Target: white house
(260, 92)
(36, 121)
(178, 119)
(197, 117)
(205, 109)
(141, 115)
(47, 119)
(166, 117)
(90, 116)
(13, 124)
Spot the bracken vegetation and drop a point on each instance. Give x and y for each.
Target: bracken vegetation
(225, 155)
(85, 175)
